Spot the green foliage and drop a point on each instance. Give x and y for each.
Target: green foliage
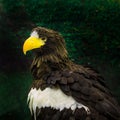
(14, 9)
(12, 99)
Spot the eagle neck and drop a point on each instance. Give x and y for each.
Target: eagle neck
(43, 65)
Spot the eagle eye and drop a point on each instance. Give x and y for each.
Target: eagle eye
(44, 39)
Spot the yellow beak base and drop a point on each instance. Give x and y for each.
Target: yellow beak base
(32, 43)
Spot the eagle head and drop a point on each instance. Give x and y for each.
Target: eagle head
(45, 41)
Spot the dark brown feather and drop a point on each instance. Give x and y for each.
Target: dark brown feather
(66, 114)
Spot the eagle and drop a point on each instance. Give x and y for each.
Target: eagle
(62, 89)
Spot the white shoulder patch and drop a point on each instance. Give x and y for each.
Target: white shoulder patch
(34, 34)
(53, 98)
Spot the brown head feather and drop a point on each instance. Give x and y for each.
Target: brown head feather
(53, 55)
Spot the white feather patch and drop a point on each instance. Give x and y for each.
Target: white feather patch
(53, 98)
(34, 34)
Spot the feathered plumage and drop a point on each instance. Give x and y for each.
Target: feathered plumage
(63, 90)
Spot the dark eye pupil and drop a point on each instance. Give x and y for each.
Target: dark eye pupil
(43, 38)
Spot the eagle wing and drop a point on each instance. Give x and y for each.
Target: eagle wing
(86, 86)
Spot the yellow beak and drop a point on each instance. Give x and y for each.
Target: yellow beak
(32, 43)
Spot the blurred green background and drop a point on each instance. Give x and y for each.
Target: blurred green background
(91, 29)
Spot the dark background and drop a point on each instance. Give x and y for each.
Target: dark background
(91, 29)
